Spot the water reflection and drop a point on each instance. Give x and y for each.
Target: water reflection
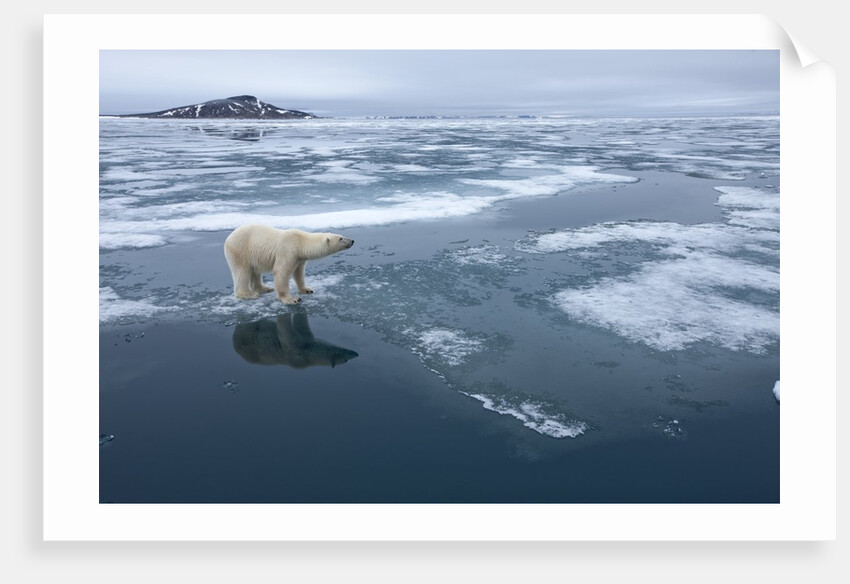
(249, 134)
(286, 340)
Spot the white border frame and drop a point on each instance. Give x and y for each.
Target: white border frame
(808, 302)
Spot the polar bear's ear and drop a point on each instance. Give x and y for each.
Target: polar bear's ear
(327, 240)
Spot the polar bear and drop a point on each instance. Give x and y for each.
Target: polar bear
(253, 249)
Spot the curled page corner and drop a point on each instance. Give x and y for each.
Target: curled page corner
(792, 44)
(805, 56)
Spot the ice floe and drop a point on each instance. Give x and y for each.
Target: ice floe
(451, 347)
(533, 416)
(692, 285)
(114, 308)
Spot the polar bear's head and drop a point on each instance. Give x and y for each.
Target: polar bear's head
(336, 243)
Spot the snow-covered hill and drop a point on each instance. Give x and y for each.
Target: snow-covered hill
(239, 107)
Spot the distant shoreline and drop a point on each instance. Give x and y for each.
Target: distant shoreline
(456, 117)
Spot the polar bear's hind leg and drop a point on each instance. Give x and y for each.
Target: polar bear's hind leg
(257, 283)
(242, 284)
(242, 277)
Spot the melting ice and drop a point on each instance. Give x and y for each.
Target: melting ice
(320, 174)
(689, 286)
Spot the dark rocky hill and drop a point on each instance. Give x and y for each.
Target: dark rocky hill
(240, 107)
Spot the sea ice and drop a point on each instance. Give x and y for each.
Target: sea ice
(449, 346)
(691, 285)
(115, 308)
(532, 416)
(483, 254)
(549, 184)
(134, 240)
(672, 305)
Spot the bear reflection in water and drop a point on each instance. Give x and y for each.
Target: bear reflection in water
(286, 340)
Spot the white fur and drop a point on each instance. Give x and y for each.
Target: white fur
(254, 249)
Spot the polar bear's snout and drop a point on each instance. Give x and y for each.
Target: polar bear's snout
(338, 242)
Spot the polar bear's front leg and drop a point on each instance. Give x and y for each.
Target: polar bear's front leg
(299, 279)
(282, 274)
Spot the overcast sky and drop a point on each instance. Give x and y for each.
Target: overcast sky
(374, 83)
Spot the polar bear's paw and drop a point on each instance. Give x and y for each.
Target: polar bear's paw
(305, 290)
(265, 289)
(289, 299)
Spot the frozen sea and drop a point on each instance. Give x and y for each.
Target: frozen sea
(535, 310)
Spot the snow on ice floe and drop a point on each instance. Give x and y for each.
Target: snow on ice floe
(749, 207)
(444, 168)
(451, 347)
(692, 285)
(671, 305)
(343, 171)
(776, 390)
(393, 209)
(393, 177)
(669, 238)
(489, 255)
(408, 168)
(114, 308)
(131, 240)
(534, 416)
(549, 184)
(219, 215)
(747, 198)
(126, 175)
(528, 162)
